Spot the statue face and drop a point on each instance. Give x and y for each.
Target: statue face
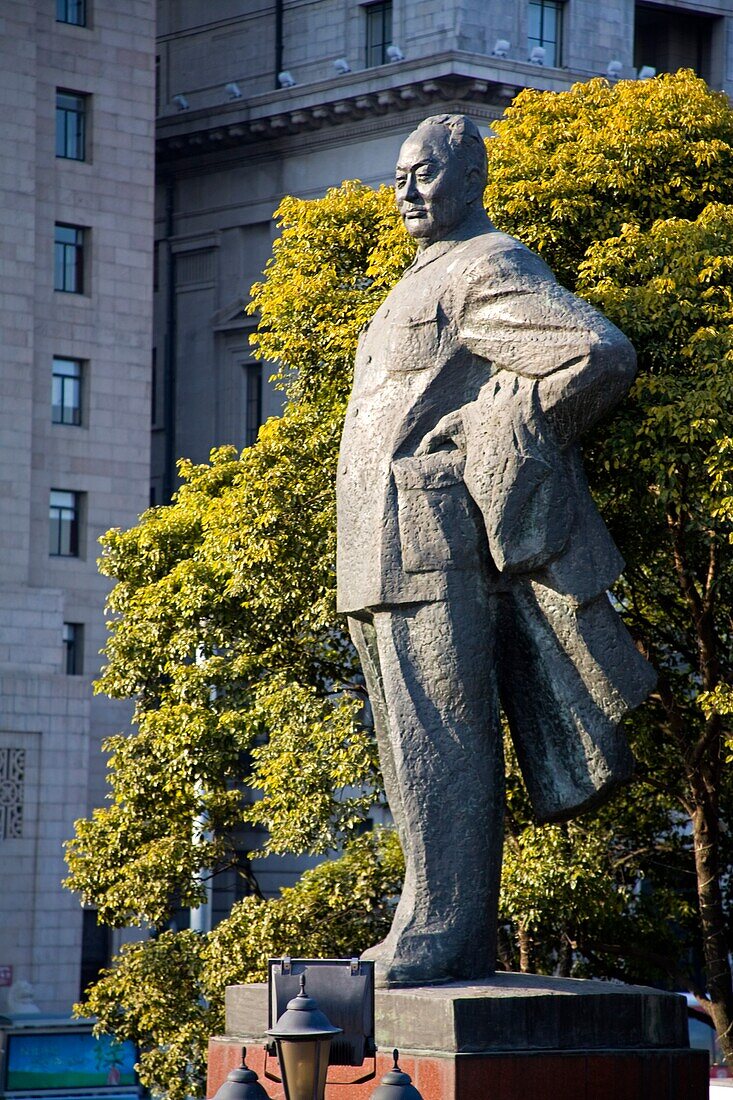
(431, 185)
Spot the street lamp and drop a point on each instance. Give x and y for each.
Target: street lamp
(303, 1039)
(396, 1085)
(241, 1084)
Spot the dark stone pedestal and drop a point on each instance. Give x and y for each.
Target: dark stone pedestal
(508, 1037)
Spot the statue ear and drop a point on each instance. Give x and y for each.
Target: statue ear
(474, 186)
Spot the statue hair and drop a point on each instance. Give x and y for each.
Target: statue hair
(464, 137)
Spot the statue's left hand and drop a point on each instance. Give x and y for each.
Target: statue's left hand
(448, 434)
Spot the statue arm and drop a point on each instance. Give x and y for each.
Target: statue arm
(514, 313)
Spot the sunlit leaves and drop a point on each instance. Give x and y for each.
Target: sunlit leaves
(222, 616)
(167, 993)
(570, 169)
(624, 191)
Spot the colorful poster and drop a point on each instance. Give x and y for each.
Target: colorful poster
(57, 1060)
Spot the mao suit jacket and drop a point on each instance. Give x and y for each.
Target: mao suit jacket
(479, 328)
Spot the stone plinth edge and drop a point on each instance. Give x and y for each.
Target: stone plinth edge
(507, 1012)
(527, 1012)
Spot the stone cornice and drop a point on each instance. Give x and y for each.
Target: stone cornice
(388, 90)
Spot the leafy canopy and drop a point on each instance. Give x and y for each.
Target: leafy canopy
(222, 616)
(570, 169)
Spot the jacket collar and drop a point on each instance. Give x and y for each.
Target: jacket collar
(472, 227)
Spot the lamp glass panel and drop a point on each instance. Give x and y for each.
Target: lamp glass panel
(304, 1065)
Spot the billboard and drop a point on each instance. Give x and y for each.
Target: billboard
(41, 1060)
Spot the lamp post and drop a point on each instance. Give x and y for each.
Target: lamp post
(241, 1084)
(303, 1039)
(396, 1085)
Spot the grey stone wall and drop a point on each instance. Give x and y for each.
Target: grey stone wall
(49, 721)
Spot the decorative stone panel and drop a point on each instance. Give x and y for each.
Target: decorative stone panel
(12, 781)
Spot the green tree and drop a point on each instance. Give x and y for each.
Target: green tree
(622, 190)
(223, 624)
(606, 895)
(166, 994)
(224, 632)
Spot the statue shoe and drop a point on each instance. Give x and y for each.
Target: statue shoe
(428, 959)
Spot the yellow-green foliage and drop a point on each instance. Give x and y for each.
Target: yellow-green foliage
(167, 994)
(570, 169)
(336, 259)
(222, 616)
(624, 190)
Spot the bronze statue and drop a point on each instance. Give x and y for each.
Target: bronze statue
(472, 562)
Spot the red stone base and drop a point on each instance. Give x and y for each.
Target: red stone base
(567, 1075)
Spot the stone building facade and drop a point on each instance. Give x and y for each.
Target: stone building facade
(77, 84)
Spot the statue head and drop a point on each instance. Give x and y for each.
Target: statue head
(440, 176)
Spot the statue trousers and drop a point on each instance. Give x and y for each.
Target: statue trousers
(430, 675)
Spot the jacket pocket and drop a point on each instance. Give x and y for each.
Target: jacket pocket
(412, 341)
(437, 519)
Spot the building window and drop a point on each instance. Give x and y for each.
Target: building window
(154, 389)
(66, 391)
(253, 412)
(669, 39)
(64, 522)
(71, 11)
(378, 33)
(69, 259)
(545, 29)
(73, 649)
(71, 115)
(96, 949)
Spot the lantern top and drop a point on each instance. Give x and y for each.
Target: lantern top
(241, 1084)
(396, 1085)
(303, 1019)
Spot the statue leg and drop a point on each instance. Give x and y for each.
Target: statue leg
(430, 675)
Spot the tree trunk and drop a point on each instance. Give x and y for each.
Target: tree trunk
(525, 950)
(703, 765)
(564, 958)
(712, 919)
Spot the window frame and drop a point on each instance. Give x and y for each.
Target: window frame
(377, 47)
(71, 124)
(554, 45)
(66, 9)
(67, 380)
(252, 403)
(96, 949)
(68, 260)
(73, 640)
(64, 524)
